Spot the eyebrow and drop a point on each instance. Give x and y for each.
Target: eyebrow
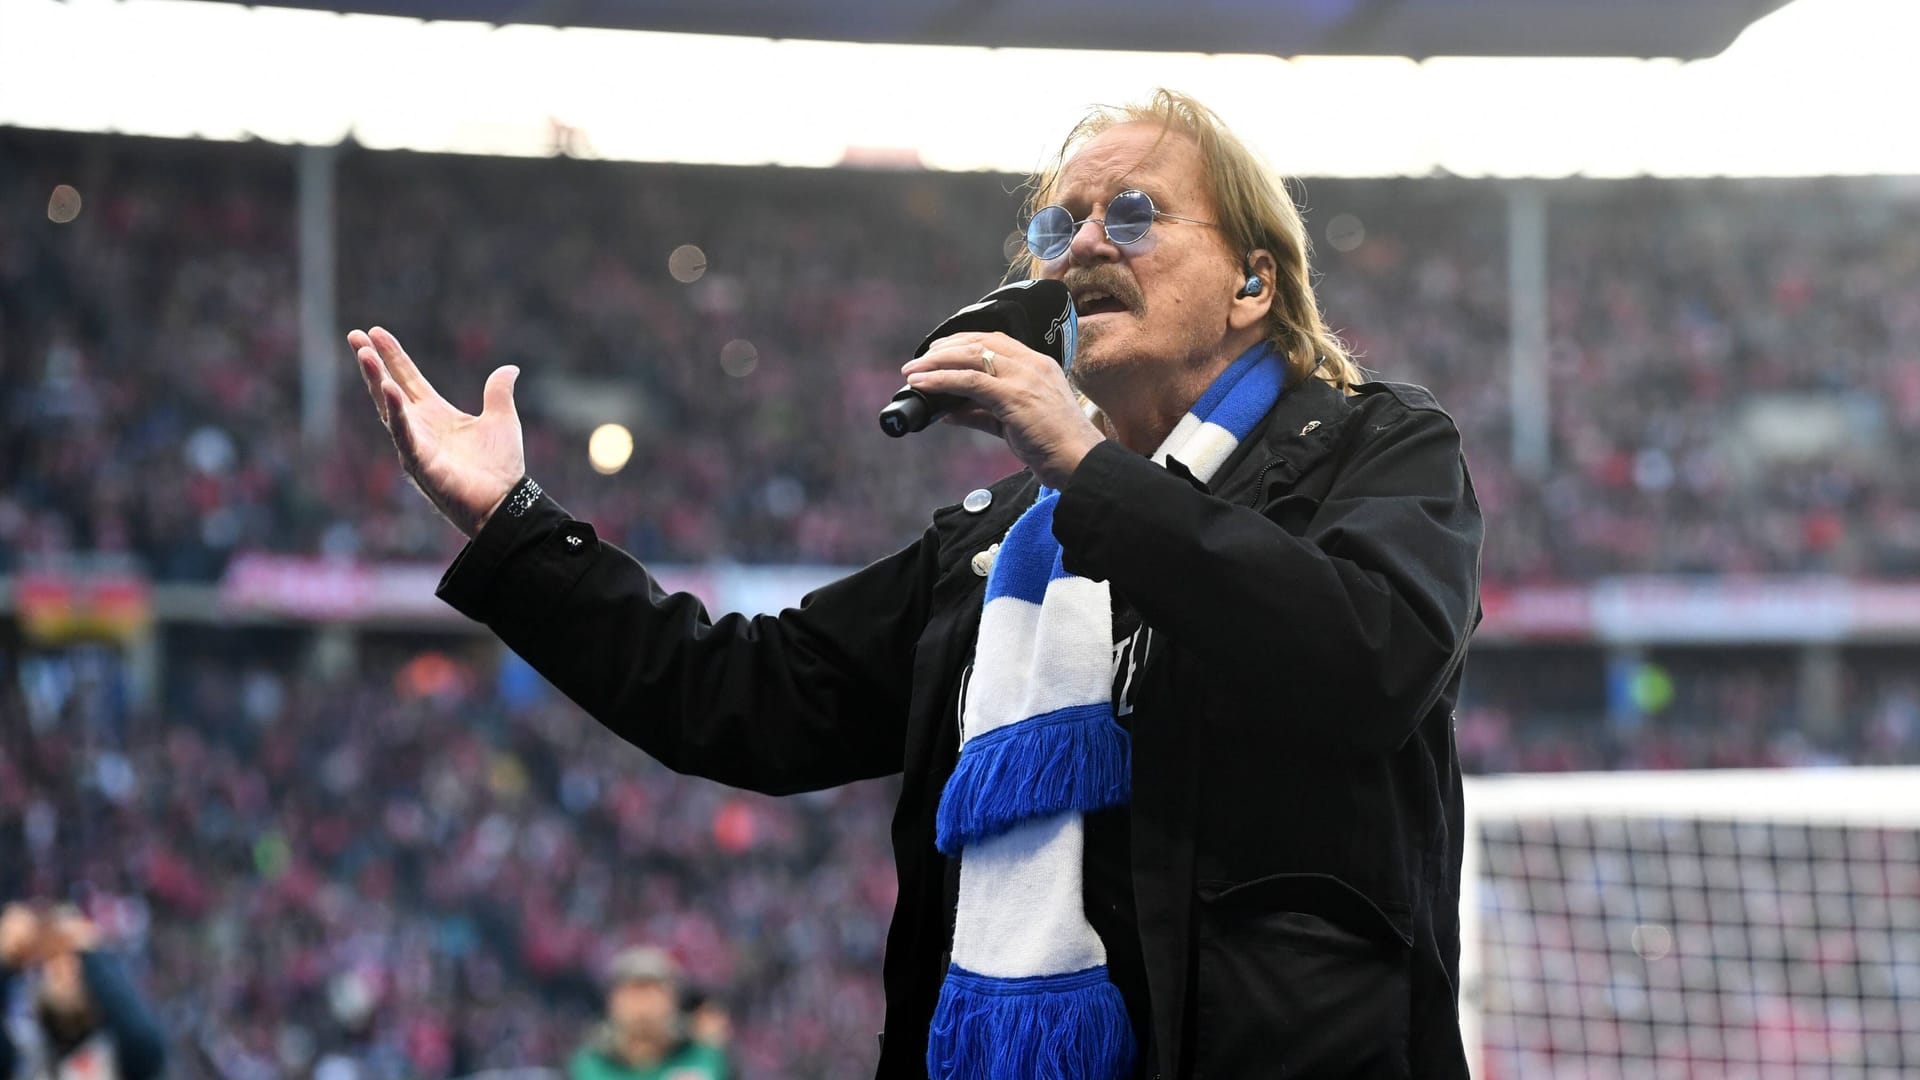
(1127, 183)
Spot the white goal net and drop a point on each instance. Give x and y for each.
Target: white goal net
(1707, 924)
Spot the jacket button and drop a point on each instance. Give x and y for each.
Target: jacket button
(577, 536)
(977, 500)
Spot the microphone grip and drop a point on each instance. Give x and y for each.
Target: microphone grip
(911, 411)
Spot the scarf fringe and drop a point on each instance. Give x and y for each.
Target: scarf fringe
(1050, 1027)
(1076, 758)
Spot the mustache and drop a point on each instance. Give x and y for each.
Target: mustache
(1108, 279)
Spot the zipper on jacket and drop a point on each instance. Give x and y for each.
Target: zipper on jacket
(1260, 482)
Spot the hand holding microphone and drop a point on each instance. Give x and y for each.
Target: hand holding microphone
(998, 366)
(1037, 312)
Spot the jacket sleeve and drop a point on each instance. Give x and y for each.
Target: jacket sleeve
(813, 697)
(137, 1043)
(1357, 624)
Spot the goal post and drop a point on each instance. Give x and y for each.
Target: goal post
(1731, 923)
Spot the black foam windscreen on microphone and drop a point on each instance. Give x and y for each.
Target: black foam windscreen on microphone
(1037, 313)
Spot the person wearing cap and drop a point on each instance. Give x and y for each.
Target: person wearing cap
(645, 1036)
(1172, 706)
(86, 1019)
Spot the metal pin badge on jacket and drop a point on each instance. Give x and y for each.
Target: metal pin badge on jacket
(1311, 424)
(977, 500)
(983, 560)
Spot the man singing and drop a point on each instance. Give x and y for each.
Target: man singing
(1172, 706)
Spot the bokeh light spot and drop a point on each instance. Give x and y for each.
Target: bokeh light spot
(687, 263)
(738, 358)
(609, 448)
(1346, 232)
(1651, 941)
(64, 205)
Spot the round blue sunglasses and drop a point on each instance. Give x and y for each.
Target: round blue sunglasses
(1129, 215)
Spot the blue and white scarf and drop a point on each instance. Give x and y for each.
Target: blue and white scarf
(1027, 993)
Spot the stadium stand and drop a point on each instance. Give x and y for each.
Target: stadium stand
(1734, 375)
(410, 865)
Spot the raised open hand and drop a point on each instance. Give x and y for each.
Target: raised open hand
(19, 934)
(464, 464)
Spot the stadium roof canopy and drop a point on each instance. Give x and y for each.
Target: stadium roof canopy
(1816, 87)
(1686, 29)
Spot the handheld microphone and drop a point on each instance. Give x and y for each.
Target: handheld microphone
(1038, 313)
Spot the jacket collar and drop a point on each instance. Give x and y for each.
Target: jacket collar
(1303, 426)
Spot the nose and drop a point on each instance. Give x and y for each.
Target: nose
(1090, 244)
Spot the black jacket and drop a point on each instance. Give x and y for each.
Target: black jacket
(1296, 811)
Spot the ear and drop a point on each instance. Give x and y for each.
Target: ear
(1250, 311)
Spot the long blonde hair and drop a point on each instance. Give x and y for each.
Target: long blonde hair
(1254, 211)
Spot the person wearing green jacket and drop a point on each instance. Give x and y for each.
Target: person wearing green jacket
(644, 1036)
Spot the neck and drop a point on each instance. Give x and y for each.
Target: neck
(1141, 408)
(1142, 422)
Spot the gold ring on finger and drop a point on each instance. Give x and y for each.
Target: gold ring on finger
(986, 361)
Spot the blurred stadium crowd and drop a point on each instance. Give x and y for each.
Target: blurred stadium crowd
(416, 867)
(1735, 374)
(422, 871)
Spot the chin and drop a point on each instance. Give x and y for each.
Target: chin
(1101, 355)
(1089, 367)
